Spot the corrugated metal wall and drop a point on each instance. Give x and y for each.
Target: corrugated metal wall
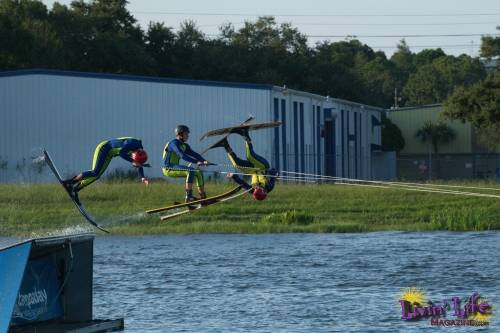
(409, 120)
(69, 114)
(323, 135)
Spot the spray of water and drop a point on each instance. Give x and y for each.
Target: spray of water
(123, 219)
(67, 231)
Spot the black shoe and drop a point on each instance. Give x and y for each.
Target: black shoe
(203, 196)
(77, 187)
(68, 185)
(190, 199)
(223, 143)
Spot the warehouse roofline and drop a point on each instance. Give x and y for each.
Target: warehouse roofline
(140, 78)
(285, 90)
(153, 79)
(418, 107)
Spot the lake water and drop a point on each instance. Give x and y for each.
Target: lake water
(290, 282)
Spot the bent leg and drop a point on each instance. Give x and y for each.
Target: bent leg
(198, 175)
(256, 160)
(243, 165)
(101, 160)
(177, 172)
(191, 174)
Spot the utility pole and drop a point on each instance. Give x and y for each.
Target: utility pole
(396, 99)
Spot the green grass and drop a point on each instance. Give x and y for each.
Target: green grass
(40, 209)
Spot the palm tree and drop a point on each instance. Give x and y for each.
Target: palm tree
(437, 134)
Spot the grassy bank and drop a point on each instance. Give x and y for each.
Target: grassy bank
(38, 209)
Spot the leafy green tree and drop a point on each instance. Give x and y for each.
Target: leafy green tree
(379, 79)
(102, 36)
(479, 103)
(434, 82)
(403, 60)
(27, 39)
(435, 134)
(427, 56)
(332, 71)
(489, 137)
(392, 138)
(268, 52)
(480, 106)
(351, 70)
(490, 46)
(160, 45)
(188, 43)
(407, 64)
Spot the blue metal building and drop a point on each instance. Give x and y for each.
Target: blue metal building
(69, 113)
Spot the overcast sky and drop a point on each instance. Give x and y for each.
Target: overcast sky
(332, 19)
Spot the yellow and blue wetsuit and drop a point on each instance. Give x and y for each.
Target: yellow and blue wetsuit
(262, 175)
(173, 152)
(103, 154)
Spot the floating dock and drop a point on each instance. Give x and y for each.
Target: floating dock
(46, 286)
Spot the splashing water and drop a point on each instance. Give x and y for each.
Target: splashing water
(124, 219)
(68, 231)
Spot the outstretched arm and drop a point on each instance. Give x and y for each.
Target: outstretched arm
(140, 170)
(194, 154)
(176, 149)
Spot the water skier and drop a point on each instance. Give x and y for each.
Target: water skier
(178, 149)
(263, 177)
(128, 148)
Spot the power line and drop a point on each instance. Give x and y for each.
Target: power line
(314, 15)
(454, 46)
(369, 24)
(440, 45)
(399, 36)
(392, 36)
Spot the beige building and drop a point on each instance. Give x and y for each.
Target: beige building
(460, 158)
(411, 119)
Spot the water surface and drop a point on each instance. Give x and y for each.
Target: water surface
(288, 283)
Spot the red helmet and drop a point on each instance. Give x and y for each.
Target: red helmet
(139, 156)
(259, 193)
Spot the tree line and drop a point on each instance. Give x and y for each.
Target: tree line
(103, 36)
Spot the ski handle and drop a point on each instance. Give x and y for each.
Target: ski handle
(202, 165)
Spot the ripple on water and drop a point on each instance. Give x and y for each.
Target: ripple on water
(287, 283)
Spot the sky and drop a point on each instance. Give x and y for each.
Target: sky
(380, 24)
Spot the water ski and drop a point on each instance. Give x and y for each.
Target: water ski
(201, 202)
(234, 129)
(78, 205)
(190, 209)
(248, 120)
